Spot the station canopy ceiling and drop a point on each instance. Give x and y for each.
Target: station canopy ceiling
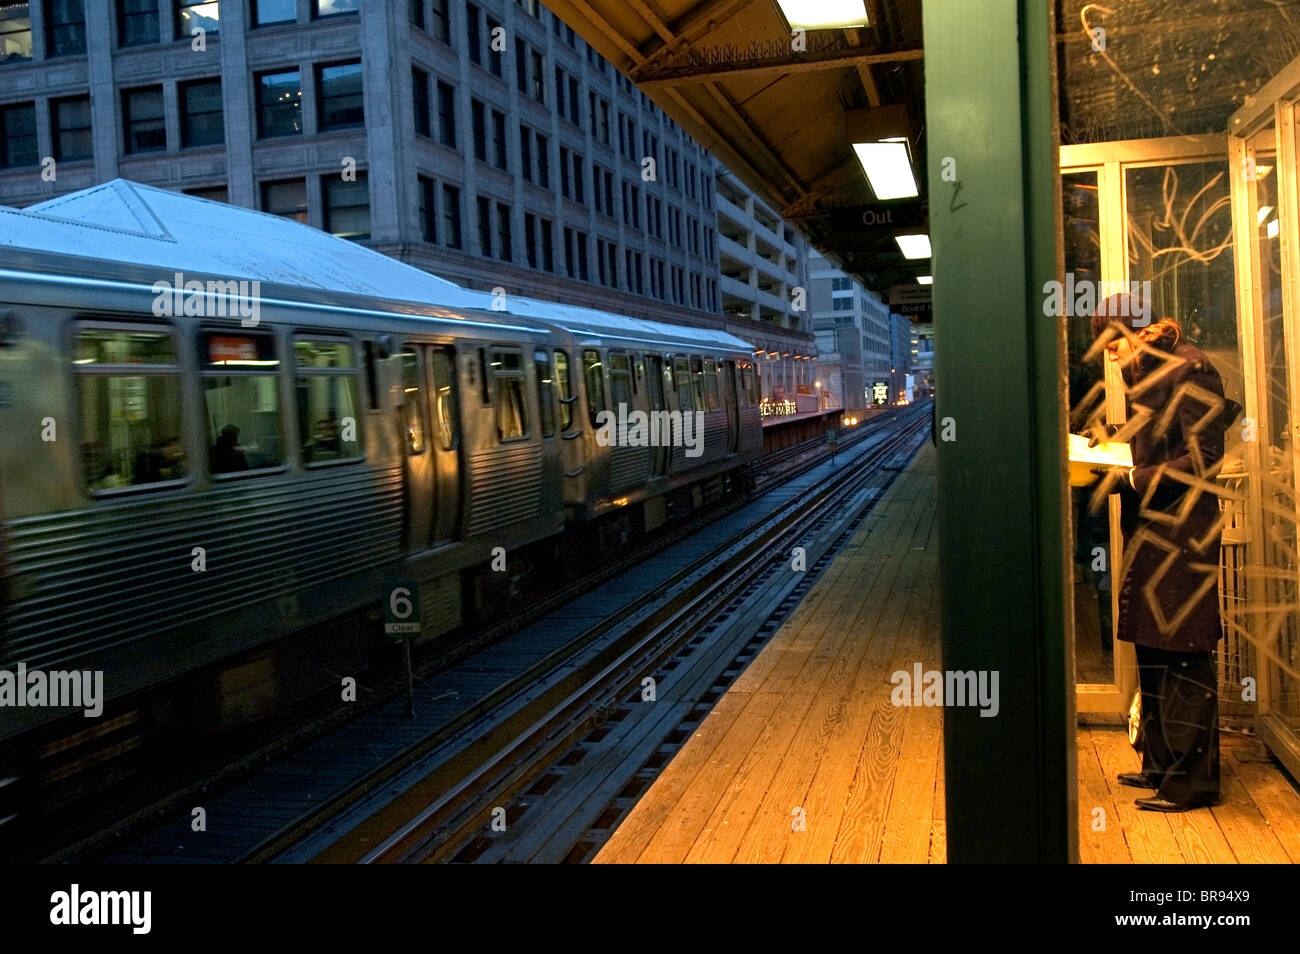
(781, 118)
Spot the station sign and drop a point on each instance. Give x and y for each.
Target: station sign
(880, 216)
(401, 609)
(911, 300)
(880, 392)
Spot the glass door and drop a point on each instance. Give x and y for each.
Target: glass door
(1263, 620)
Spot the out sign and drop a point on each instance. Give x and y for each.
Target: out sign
(402, 609)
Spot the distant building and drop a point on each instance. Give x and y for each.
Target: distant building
(852, 330)
(764, 266)
(490, 144)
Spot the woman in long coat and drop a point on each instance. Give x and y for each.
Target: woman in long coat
(1169, 598)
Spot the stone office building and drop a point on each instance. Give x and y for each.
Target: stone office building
(483, 141)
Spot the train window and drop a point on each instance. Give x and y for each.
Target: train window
(593, 373)
(564, 384)
(444, 389)
(620, 381)
(241, 401)
(711, 402)
(412, 403)
(511, 399)
(697, 376)
(683, 374)
(325, 387)
(545, 390)
(129, 397)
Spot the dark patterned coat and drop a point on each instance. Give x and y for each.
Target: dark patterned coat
(1169, 595)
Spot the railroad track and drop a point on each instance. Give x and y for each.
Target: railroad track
(440, 803)
(110, 835)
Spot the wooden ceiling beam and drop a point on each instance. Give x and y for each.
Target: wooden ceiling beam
(785, 64)
(686, 28)
(723, 98)
(600, 23)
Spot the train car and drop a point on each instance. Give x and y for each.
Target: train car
(679, 404)
(179, 489)
(181, 486)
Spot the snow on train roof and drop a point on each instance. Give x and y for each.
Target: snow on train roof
(124, 221)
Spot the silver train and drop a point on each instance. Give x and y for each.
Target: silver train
(176, 490)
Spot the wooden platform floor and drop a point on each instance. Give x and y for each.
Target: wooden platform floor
(805, 758)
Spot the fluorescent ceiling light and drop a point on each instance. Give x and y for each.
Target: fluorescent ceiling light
(824, 14)
(1263, 214)
(1262, 171)
(913, 246)
(1273, 229)
(888, 169)
(925, 279)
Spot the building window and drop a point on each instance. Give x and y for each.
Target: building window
(137, 22)
(192, 15)
(325, 385)
(446, 115)
(526, 152)
(575, 254)
(267, 12)
(417, 13)
(474, 33)
(537, 78)
(15, 32)
(543, 162)
(530, 239)
(499, 139)
(211, 193)
(428, 210)
(65, 27)
(70, 119)
(420, 96)
(546, 229)
(485, 227)
(142, 120)
(18, 136)
(505, 248)
(347, 207)
(478, 119)
(333, 8)
(201, 117)
(494, 30)
(287, 198)
(280, 104)
(129, 376)
(441, 20)
(338, 93)
(451, 216)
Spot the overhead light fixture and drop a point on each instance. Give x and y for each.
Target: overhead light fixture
(1273, 229)
(888, 168)
(913, 246)
(1262, 171)
(925, 279)
(1263, 214)
(824, 14)
(880, 138)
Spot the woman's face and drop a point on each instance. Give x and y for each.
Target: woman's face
(1119, 351)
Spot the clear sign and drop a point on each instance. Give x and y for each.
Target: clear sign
(401, 608)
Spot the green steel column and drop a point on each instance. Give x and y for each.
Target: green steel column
(1000, 378)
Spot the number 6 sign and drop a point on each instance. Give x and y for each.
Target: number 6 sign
(401, 608)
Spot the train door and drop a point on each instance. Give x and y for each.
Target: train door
(657, 403)
(444, 404)
(417, 456)
(731, 398)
